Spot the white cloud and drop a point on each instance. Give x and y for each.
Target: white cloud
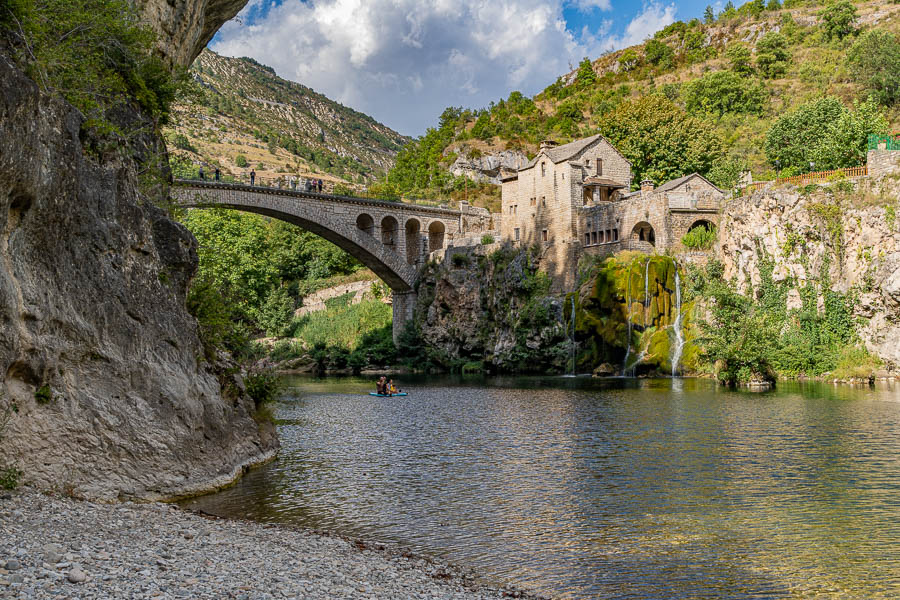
(588, 5)
(650, 20)
(403, 61)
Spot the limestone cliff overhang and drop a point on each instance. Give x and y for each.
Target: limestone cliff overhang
(512, 177)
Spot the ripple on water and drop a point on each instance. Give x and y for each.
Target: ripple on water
(610, 489)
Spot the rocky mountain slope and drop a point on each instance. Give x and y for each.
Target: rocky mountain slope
(737, 111)
(248, 117)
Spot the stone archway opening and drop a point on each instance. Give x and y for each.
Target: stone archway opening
(436, 236)
(366, 223)
(389, 229)
(708, 225)
(643, 232)
(413, 240)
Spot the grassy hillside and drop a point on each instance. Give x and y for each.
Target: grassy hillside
(248, 117)
(703, 96)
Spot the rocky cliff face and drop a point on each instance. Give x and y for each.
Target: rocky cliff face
(98, 357)
(490, 305)
(847, 240)
(487, 168)
(186, 26)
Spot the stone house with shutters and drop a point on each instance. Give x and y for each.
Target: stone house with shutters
(576, 199)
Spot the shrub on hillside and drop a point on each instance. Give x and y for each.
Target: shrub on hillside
(241, 161)
(659, 54)
(723, 92)
(874, 61)
(740, 58)
(824, 132)
(838, 19)
(772, 55)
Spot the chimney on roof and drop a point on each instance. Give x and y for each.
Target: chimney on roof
(647, 187)
(547, 144)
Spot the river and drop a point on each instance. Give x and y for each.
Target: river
(616, 488)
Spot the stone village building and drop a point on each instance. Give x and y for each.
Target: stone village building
(576, 199)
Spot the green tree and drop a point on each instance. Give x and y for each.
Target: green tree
(660, 139)
(723, 92)
(659, 53)
(824, 132)
(96, 54)
(773, 5)
(586, 76)
(740, 58)
(709, 16)
(772, 55)
(729, 11)
(628, 60)
(838, 19)
(874, 61)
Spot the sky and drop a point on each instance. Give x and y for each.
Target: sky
(404, 61)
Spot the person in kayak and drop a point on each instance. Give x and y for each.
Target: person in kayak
(381, 386)
(391, 389)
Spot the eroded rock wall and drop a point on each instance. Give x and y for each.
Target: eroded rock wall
(848, 240)
(98, 355)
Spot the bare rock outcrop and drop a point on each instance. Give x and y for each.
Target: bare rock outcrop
(850, 243)
(186, 26)
(99, 359)
(487, 168)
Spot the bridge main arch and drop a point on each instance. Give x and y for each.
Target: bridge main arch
(368, 230)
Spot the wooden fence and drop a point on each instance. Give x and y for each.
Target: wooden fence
(816, 177)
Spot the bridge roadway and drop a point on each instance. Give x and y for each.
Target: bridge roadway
(391, 238)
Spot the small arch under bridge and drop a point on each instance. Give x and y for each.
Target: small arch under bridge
(393, 239)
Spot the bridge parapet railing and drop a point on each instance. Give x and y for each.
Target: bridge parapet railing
(309, 185)
(258, 185)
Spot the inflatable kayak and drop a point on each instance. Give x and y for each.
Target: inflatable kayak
(386, 395)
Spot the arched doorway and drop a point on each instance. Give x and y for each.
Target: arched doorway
(389, 229)
(435, 236)
(643, 232)
(413, 240)
(708, 225)
(366, 223)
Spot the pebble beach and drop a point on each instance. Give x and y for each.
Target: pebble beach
(56, 547)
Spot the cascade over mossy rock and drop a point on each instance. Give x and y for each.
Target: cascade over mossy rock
(641, 289)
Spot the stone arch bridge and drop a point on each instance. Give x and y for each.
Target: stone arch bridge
(393, 239)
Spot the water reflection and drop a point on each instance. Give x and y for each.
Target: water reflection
(611, 489)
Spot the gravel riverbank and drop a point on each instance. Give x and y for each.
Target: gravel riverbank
(52, 547)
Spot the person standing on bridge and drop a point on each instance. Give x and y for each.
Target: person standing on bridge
(320, 186)
(202, 176)
(252, 177)
(217, 173)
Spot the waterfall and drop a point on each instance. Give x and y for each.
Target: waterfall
(679, 334)
(572, 338)
(646, 290)
(628, 319)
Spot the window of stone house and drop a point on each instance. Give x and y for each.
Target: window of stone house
(615, 235)
(543, 169)
(594, 237)
(599, 166)
(587, 239)
(516, 233)
(533, 201)
(543, 201)
(544, 236)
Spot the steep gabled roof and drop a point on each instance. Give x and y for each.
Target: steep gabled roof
(567, 151)
(675, 183)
